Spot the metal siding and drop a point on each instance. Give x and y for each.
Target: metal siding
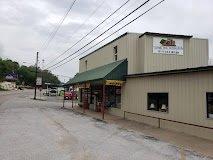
(187, 96)
(127, 48)
(141, 54)
(195, 55)
(138, 52)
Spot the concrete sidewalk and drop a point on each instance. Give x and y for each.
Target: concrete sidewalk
(182, 140)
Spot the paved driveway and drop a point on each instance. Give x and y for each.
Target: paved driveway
(40, 130)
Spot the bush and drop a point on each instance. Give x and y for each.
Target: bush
(1, 89)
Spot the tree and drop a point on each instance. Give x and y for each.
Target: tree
(25, 74)
(7, 67)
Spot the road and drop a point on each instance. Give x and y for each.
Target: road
(40, 130)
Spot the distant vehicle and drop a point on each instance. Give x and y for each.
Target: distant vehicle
(60, 91)
(70, 95)
(53, 92)
(19, 88)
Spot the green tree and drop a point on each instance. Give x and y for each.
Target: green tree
(7, 66)
(26, 74)
(48, 77)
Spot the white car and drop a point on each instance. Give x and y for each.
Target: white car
(53, 92)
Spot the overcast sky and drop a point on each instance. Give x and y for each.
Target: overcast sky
(25, 25)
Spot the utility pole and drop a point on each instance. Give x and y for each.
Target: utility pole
(36, 74)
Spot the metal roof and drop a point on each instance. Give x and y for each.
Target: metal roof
(165, 35)
(168, 72)
(113, 71)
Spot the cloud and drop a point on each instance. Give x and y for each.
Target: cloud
(25, 25)
(1, 50)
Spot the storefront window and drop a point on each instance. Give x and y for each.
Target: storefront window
(113, 96)
(158, 102)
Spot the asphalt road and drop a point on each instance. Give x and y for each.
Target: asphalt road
(40, 130)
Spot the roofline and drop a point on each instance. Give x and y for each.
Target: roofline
(165, 35)
(106, 44)
(177, 71)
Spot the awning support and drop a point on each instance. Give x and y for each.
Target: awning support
(84, 103)
(103, 102)
(63, 99)
(72, 94)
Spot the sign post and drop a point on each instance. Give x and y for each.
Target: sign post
(39, 81)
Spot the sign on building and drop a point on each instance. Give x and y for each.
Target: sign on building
(11, 76)
(167, 45)
(39, 81)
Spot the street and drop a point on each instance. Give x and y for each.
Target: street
(35, 130)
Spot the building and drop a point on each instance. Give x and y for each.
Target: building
(8, 85)
(160, 79)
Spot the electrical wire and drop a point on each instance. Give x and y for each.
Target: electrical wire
(115, 18)
(52, 34)
(100, 34)
(87, 19)
(112, 33)
(90, 31)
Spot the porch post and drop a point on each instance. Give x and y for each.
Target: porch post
(103, 101)
(87, 105)
(84, 101)
(63, 98)
(72, 94)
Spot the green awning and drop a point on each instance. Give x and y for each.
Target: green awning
(113, 71)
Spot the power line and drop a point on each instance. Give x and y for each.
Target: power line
(52, 35)
(87, 19)
(91, 31)
(119, 15)
(100, 34)
(112, 33)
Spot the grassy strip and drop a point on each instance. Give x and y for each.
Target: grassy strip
(1, 89)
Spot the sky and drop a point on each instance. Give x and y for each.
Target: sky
(26, 25)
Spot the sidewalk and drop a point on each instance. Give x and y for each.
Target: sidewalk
(181, 140)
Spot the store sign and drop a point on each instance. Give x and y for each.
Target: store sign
(84, 85)
(39, 81)
(163, 45)
(114, 82)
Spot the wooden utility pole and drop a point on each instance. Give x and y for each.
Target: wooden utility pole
(36, 74)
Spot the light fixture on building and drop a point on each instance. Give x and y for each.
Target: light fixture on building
(163, 107)
(152, 106)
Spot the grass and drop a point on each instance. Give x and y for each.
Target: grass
(1, 89)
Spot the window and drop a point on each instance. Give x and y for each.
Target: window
(86, 65)
(209, 99)
(115, 53)
(158, 102)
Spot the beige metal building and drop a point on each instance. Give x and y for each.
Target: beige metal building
(168, 82)
(138, 49)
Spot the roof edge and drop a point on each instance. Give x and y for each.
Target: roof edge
(165, 35)
(176, 71)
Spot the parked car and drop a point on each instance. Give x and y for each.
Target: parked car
(70, 95)
(53, 92)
